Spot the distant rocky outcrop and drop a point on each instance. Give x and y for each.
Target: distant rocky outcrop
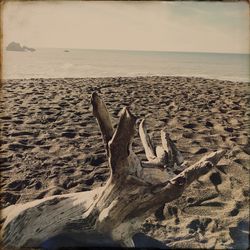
(13, 46)
(66, 50)
(29, 49)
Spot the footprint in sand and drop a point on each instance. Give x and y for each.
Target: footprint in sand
(18, 146)
(190, 125)
(95, 160)
(41, 195)
(68, 183)
(17, 185)
(199, 225)
(36, 184)
(169, 211)
(8, 198)
(229, 129)
(236, 209)
(5, 166)
(23, 133)
(209, 124)
(69, 134)
(216, 180)
(89, 181)
(18, 121)
(6, 118)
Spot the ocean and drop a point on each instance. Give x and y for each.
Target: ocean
(56, 63)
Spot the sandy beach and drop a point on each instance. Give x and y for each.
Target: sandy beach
(51, 144)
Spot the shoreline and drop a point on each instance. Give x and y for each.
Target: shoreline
(138, 76)
(51, 145)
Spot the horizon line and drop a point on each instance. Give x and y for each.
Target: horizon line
(136, 50)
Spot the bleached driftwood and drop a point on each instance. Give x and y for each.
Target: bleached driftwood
(133, 192)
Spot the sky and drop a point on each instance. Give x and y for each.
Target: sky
(155, 26)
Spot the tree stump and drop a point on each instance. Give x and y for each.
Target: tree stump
(114, 212)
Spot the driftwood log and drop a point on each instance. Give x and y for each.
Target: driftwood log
(114, 212)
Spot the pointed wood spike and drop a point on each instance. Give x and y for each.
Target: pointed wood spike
(161, 155)
(120, 143)
(104, 120)
(146, 141)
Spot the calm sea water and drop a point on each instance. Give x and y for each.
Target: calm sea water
(55, 63)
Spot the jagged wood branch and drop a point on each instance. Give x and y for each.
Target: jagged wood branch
(174, 155)
(104, 120)
(146, 142)
(120, 144)
(165, 156)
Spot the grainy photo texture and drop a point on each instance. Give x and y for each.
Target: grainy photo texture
(125, 124)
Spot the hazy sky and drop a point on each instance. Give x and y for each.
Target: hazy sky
(167, 26)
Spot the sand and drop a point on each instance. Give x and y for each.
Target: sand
(51, 144)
